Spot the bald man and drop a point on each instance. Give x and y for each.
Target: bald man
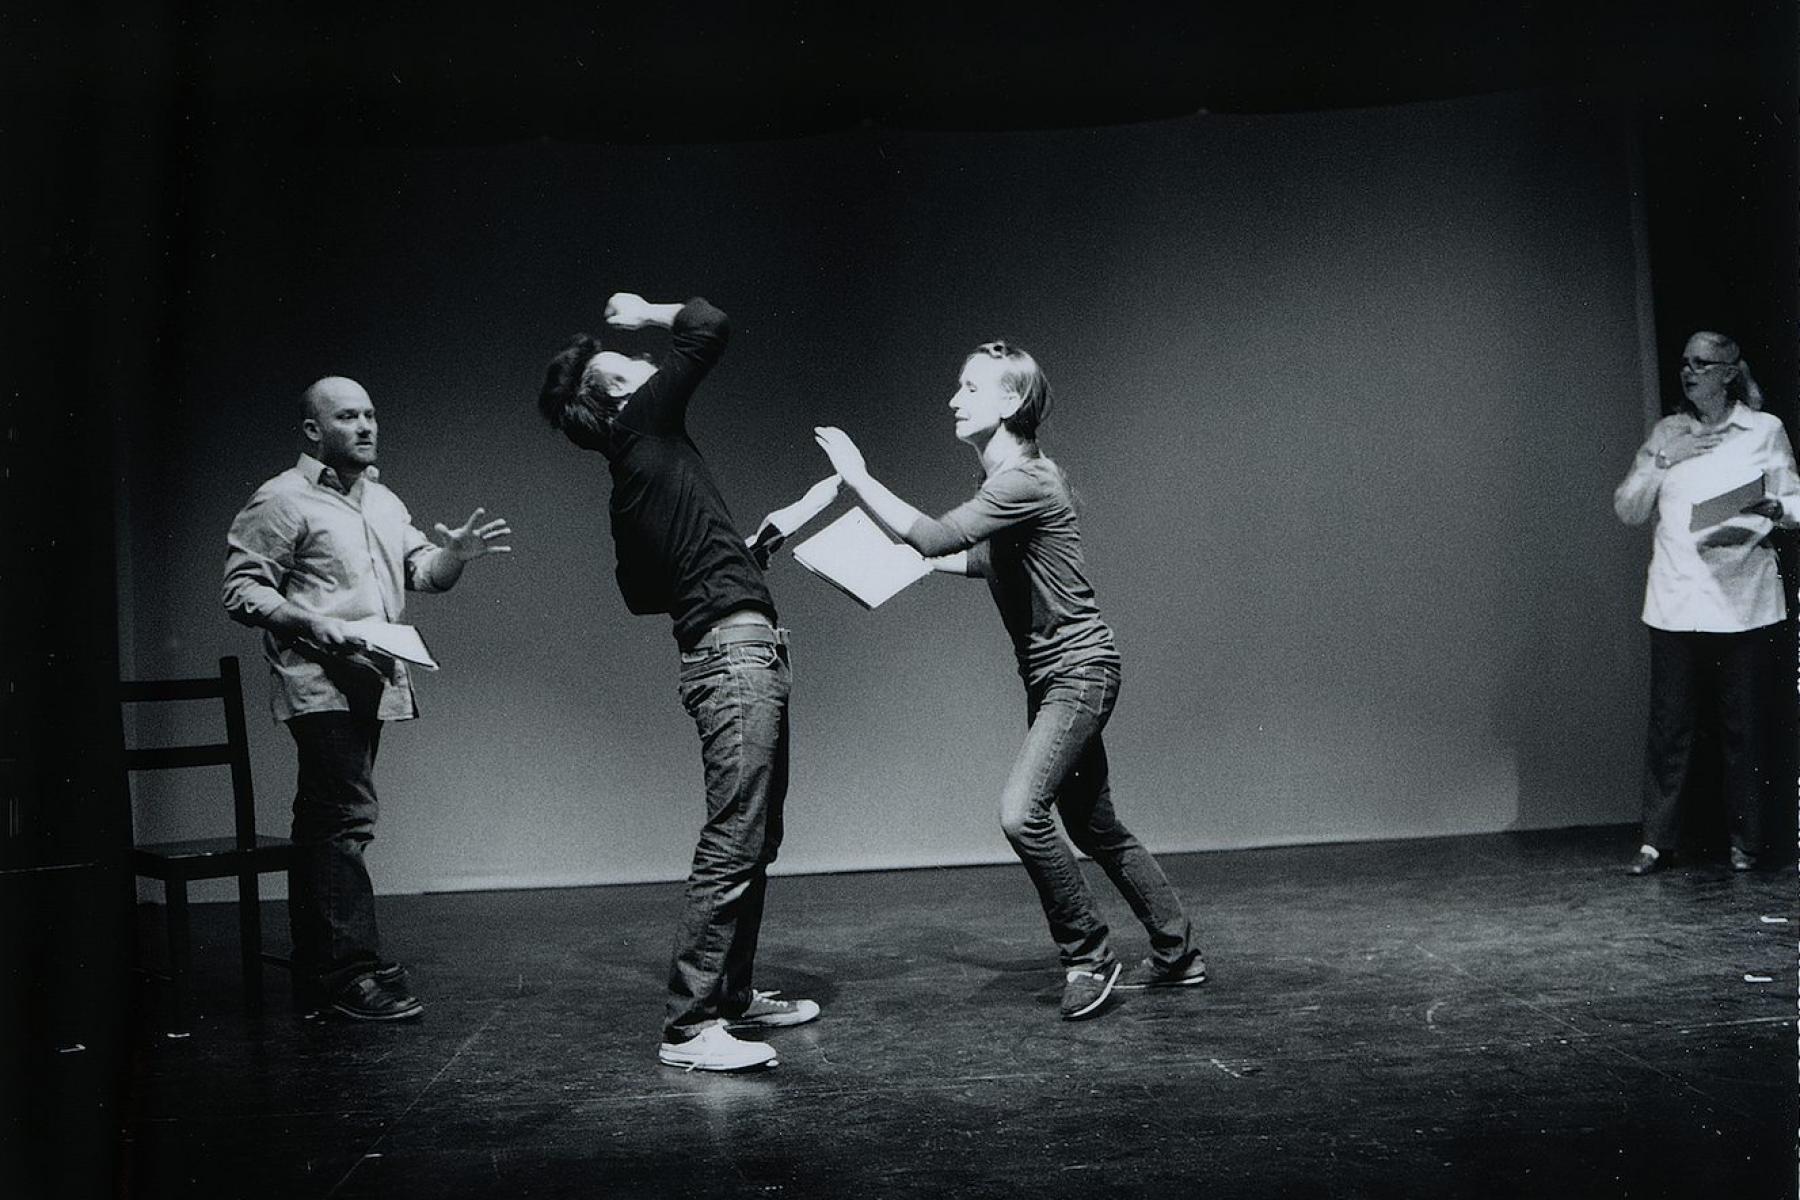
(318, 546)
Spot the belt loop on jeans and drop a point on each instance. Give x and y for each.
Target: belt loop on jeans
(736, 635)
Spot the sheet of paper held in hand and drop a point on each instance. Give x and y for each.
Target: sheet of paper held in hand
(853, 554)
(395, 641)
(1725, 505)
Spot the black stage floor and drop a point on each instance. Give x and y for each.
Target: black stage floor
(1505, 1015)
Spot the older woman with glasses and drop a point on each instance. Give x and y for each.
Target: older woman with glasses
(1019, 533)
(1718, 476)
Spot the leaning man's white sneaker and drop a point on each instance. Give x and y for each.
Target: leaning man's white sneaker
(768, 1009)
(714, 1049)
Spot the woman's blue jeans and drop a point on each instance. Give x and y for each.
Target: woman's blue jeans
(1062, 765)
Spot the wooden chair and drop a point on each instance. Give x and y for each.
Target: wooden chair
(246, 854)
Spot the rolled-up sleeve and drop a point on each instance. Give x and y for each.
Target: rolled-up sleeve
(1007, 499)
(418, 553)
(700, 332)
(259, 552)
(1635, 498)
(1783, 481)
(933, 537)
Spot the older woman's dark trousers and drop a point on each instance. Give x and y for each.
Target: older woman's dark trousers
(1693, 675)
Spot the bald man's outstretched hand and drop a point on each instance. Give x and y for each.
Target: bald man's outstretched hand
(472, 538)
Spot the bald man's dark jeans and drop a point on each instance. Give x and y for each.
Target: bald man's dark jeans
(331, 904)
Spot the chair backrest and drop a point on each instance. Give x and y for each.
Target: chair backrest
(234, 751)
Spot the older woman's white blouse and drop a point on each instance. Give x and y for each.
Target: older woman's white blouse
(1721, 577)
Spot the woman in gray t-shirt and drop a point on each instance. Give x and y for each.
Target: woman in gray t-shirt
(1019, 533)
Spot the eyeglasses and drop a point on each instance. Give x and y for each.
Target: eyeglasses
(996, 349)
(1701, 365)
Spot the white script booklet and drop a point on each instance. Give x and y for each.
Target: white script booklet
(1726, 505)
(855, 556)
(395, 641)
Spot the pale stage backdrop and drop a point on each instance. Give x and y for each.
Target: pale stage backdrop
(1344, 395)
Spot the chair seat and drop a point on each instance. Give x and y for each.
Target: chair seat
(209, 858)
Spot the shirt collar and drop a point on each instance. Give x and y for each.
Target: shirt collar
(316, 472)
(1738, 417)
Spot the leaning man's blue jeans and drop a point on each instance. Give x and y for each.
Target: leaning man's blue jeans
(738, 697)
(1063, 766)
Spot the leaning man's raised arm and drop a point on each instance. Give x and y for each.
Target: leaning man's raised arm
(700, 332)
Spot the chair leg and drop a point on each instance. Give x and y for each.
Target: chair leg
(175, 899)
(250, 940)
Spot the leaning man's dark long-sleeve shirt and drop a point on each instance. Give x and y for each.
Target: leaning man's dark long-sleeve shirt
(678, 549)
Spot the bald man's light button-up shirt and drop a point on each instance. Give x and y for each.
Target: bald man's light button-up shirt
(349, 553)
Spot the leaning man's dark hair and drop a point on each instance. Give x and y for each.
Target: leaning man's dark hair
(572, 400)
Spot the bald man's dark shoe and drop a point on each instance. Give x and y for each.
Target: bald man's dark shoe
(366, 999)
